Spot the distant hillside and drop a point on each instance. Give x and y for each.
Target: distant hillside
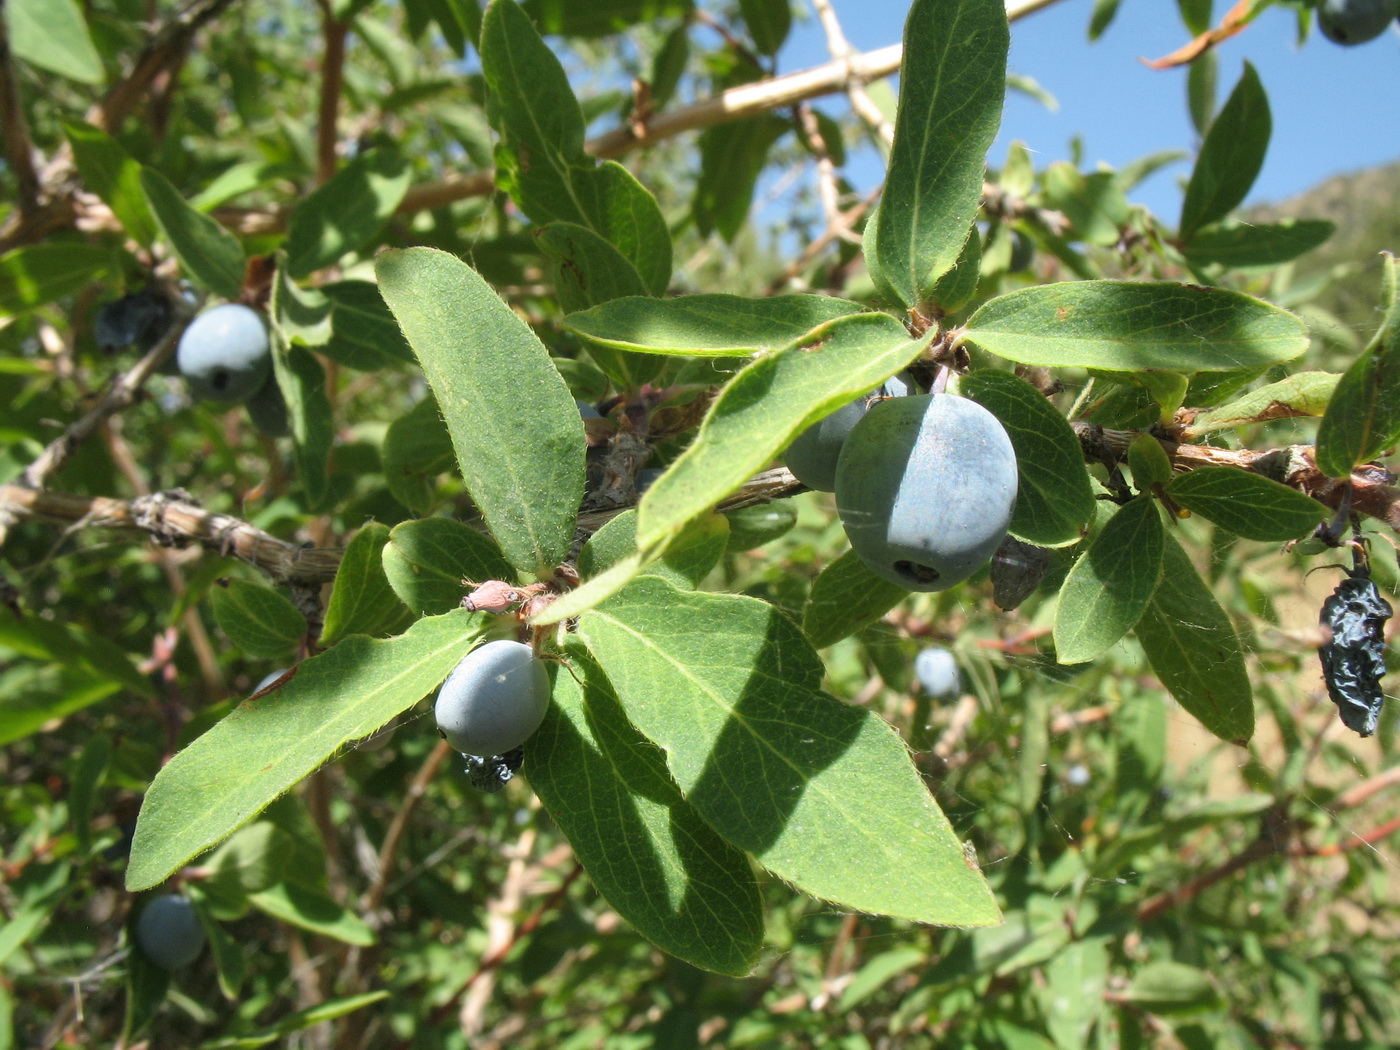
(1365, 205)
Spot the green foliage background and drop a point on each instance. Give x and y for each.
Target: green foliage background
(1061, 857)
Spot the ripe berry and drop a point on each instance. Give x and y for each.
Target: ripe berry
(813, 453)
(937, 672)
(925, 487)
(493, 700)
(1349, 22)
(169, 933)
(224, 354)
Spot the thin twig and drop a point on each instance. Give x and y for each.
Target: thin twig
(14, 127)
(736, 103)
(398, 827)
(332, 80)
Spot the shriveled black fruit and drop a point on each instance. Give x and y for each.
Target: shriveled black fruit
(925, 488)
(491, 773)
(168, 932)
(1353, 662)
(813, 453)
(1351, 22)
(137, 319)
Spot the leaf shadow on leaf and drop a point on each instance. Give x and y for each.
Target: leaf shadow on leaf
(762, 759)
(591, 767)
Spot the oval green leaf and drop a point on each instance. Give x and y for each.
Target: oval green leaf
(846, 596)
(952, 84)
(1127, 326)
(708, 325)
(1246, 504)
(208, 253)
(362, 602)
(1193, 649)
(426, 561)
(1110, 585)
(257, 620)
(514, 425)
(1054, 499)
(822, 793)
(231, 773)
(647, 851)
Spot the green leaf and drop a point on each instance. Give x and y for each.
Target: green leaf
(1363, 418)
(1054, 499)
(1167, 987)
(299, 1021)
(659, 865)
(1193, 649)
(764, 407)
(347, 211)
(364, 334)
(52, 35)
(687, 561)
(231, 773)
(1148, 462)
(427, 560)
(514, 424)
(732, 157)
(417, 448)
(1073, 995)
(362, 601)
(1246, 504)
(540, 159)
(313, 911)
(259, 621)
(303, 314)
(75, 647)
(951, 86)
(1230, 158)
(600, 17)
(823, 793)
(1301, 394)
(846, 596)
(1102, 17)
(752, 527)
(111, 173)
(587, 269)
(34, 695)
(708, 325)
(42, 273)
(593, 592)
(1110, 585)
(1128, 327)
(768, 22)
(208, 253)
(1264, 245)
(1094, 204)
(1201, 77)
(303, 384)
(955, 288)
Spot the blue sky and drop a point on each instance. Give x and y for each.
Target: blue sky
(1335, 109)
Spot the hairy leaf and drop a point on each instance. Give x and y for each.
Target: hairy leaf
(680, 884)
(1054, 499)
(821, 792)
(1127, 327)
(514, 425)
(1110, 585)
(1192, 647)
(951, 86)
(231, 773)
